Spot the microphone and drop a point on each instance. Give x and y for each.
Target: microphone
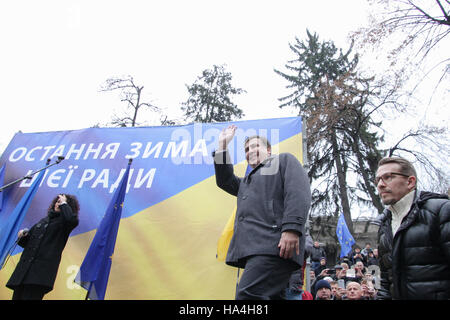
(25, 231)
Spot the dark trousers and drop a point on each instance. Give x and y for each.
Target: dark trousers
(265, 278)
(29, 292)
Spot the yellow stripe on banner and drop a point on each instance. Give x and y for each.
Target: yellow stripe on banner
(167, 251)
(225, 238)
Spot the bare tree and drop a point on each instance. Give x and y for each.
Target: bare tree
(430, 147)
(132, 94)
(414, 24)
(407, 38)
(428, 22)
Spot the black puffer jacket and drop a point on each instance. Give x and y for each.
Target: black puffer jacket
(415, 264)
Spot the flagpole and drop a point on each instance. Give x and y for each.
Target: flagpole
(60, 158)
(89, 290)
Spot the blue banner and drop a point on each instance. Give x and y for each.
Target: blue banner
(174, 214)
(92, 167)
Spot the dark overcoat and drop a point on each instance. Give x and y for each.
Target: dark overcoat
(43, 247)
(273, 198)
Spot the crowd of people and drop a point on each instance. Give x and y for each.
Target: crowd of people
(352, 278)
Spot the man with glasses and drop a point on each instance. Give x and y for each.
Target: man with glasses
(414, 235)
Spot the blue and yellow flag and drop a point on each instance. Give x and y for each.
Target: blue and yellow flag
(10, 227)
(344, 236)
(96, 266)
(227, 233)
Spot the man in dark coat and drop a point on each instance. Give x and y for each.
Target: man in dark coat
(273, 203)
(317, 253)
(35, 274)
(414, 236)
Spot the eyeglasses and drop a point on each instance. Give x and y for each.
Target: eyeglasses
(387, 177)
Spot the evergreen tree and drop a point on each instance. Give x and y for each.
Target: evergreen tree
(333, 99)
(210, 97)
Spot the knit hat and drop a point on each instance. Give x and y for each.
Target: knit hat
(322, 284)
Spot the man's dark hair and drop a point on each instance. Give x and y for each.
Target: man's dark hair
(261, 138)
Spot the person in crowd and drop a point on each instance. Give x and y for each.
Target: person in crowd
(317, 252)
(273, 203)
(337, 272)
(341, 272)
(355, 274)
(413, 237)
(323, 290)
(360, 271)
(337, 291)
(317, 278)
(346, 260)
(322, 266)
(375, 253)
(326, 274)
(371, 259)
(344, 266)
(353, 291)
(312, 277)
(368, 288)
(35, 274)
(369, 277)
(366, 249)
(357, 256)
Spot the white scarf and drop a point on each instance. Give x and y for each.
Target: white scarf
(400, 209)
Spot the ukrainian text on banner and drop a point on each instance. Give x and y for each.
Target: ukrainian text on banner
(166, 246)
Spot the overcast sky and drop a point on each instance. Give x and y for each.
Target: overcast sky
(55, 54)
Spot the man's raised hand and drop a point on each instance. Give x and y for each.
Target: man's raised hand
(226, 136)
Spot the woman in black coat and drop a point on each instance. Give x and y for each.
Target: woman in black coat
(35, 274)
